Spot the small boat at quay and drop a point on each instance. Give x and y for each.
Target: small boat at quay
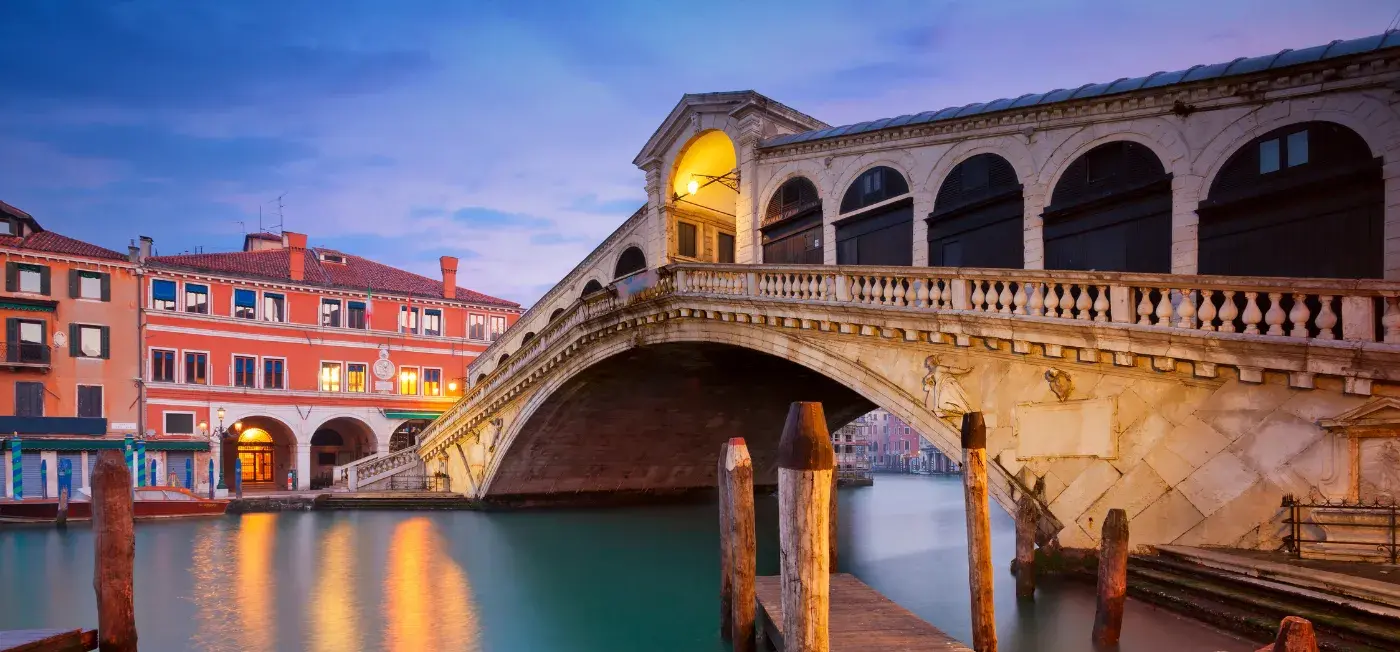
(150, 503)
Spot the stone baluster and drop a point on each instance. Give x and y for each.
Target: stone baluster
(1207, 312)
(1020, 299)
(1037, 302)
(899, 284)
(1275, 315)
(814, 287)
(1391, 320)
(888, 294)
(1164, 308)
(921, 295)
(1252, 314)
(1101, 304)
(1228, 311)
(977, 296)
(1299, 315)
(1083, 303)
(1186, 309)
(1052, 300)
(762, 285)
(1326, 319)
(1005, 298)
(1144, 307)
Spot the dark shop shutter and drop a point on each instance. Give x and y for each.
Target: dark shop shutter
(30, 473)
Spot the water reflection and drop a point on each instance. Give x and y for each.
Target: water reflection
(256, 589)
(335, 625)
(427, 601)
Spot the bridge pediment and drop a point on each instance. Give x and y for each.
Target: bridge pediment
(726, 111)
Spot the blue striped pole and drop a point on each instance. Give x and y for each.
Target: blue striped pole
(189, 473)
(17, 467)
(140, 462)
(211, 477)
(130, 449)
(238, 477)
(43, 478)
(65, 477)
(155, 473)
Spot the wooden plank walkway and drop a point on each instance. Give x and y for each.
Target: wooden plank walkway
(47, 640)
(861, 619)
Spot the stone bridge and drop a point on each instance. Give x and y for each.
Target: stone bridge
(1167, 294)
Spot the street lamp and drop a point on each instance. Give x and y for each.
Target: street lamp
(222, 435)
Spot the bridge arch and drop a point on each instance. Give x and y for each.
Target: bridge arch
(978, 215)
(875, 225)
(1110, 209)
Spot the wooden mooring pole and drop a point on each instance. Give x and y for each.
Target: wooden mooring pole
(114, 540)
(1294, 635)
(62, 519)
(726, 555)
(742, 544)
(1027, 518)
(835, 513)
(1113, 579)
(806, 464)
(979, 532)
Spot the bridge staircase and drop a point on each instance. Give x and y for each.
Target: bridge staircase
(395, 500)
(1246, 593)
(398, 471)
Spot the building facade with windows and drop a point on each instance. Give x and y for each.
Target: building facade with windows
(70, 353)
(294, 358)
(851, 442)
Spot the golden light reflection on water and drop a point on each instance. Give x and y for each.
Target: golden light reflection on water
(334, 618)
(256, 593)
(427, 598)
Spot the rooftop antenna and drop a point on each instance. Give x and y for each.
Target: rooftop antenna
(280, 219)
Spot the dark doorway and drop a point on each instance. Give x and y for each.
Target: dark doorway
(1111, 211)
(1312, 192)
(976, 219)
(407, 434)
(792, 225)
(878, 236)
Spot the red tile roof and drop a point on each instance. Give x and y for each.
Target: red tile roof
(356, 273)
(50, 242)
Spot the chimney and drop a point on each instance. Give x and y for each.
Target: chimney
(133, 253)
(296, 254)
(145, 250)
(449, 277)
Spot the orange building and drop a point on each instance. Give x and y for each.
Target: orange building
(70, 354)
(292, 358)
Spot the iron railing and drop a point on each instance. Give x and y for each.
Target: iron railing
(26, 353)
(1378, 517)
(405, 482)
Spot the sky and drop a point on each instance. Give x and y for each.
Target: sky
(503, 132)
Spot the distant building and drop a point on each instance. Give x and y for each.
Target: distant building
(851, 443)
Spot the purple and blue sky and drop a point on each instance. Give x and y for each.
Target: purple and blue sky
(503, 132)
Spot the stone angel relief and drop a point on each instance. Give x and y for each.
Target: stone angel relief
(944, 395)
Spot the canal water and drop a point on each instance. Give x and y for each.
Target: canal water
(642, 579)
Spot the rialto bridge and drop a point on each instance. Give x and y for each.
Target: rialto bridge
(1175, 294)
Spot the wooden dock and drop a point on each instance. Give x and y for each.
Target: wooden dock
(862, 620)
(48, 640)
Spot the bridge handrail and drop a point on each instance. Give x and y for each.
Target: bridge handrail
(366, 469)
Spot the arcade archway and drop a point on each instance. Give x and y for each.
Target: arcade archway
(703, 202)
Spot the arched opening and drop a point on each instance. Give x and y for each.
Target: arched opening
(873, 230)
(631, 261)
(337, 442)
(407, 434)
(480, 378)
(1312, 191)
(1111, 211)
(527, 337)
(976, 219)
(555, 315)
(592, 286)
(264, 446)
(502, 361)
(704, 196)
(792, 224)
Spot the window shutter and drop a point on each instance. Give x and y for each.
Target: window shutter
(106, 342)
(106, 287)
(11, 277)
(44, 284)
(73, 332)
(12, 339)
(73, 284)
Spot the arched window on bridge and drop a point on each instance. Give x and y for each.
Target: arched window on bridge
(590, 287)
(883, 235)
(631, 261)
(557, 311)
(792, 224)
(502, 362)
(528, 336)
(480, 378)
(1312, 191)
(976, 218)
(1111, 211)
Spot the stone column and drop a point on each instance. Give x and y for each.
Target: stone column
(1186, 195)
(303, 466)
(745, 205)
(1033, 227)
(830, 209)
(52, 481)
(923, 205)
(1391, 172)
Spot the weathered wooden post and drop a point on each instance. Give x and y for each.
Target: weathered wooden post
(726, 545)
(1113, 578)
(806, 463)
(979, 532)
(65, 486)
(1027, 517)
(742, 541)
(1294, 635)
(114, 541)
(835, 513)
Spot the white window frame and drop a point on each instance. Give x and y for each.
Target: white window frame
(104, 398)
(151, 294)
(286, 307)
(485, 336)
(99, 274)
(233, 367)
(320, 387)
(99, 327)
(179, 363)
(346, 378)
(422, 385)
(417, 383)
(505, 323)
(208, 367)
(321, 311)
(182, 290)
(233, 305)
(442, 322)
(262, 373)
(345, 314)
(164, 422)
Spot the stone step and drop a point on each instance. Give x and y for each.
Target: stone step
(1204, 591)
(1384, 594)
(1319, 599)
(403, 500)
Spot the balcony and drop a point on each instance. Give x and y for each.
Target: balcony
(27, 355)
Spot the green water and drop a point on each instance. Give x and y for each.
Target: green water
(641, 579)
